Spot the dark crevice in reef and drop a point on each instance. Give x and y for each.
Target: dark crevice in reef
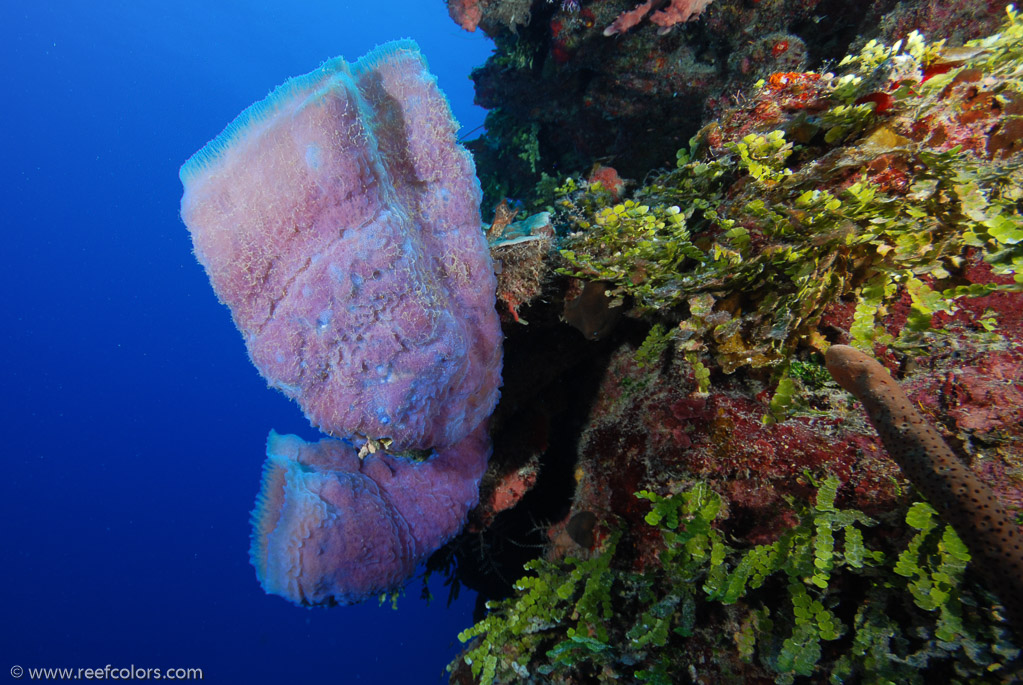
(835, 26)
(552, 375)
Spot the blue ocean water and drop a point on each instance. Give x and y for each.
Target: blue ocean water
(133, 423)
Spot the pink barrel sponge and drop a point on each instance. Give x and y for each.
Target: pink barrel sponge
(331, 528)
(339, 221)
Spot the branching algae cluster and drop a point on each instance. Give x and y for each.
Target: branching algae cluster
(882, 615)
(874, 184)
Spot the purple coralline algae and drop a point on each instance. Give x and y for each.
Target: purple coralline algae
(339, 221)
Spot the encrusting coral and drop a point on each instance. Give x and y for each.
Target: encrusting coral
(963, 499)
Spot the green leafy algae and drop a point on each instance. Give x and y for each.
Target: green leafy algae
(887, 615)
(768, 233)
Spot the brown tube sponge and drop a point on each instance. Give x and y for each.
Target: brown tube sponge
(962, 499)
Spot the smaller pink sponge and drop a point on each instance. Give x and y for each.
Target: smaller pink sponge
(331, 528)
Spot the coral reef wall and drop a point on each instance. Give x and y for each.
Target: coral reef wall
(563, 95)
(694, 497)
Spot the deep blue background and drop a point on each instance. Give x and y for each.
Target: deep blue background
(133, 422)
